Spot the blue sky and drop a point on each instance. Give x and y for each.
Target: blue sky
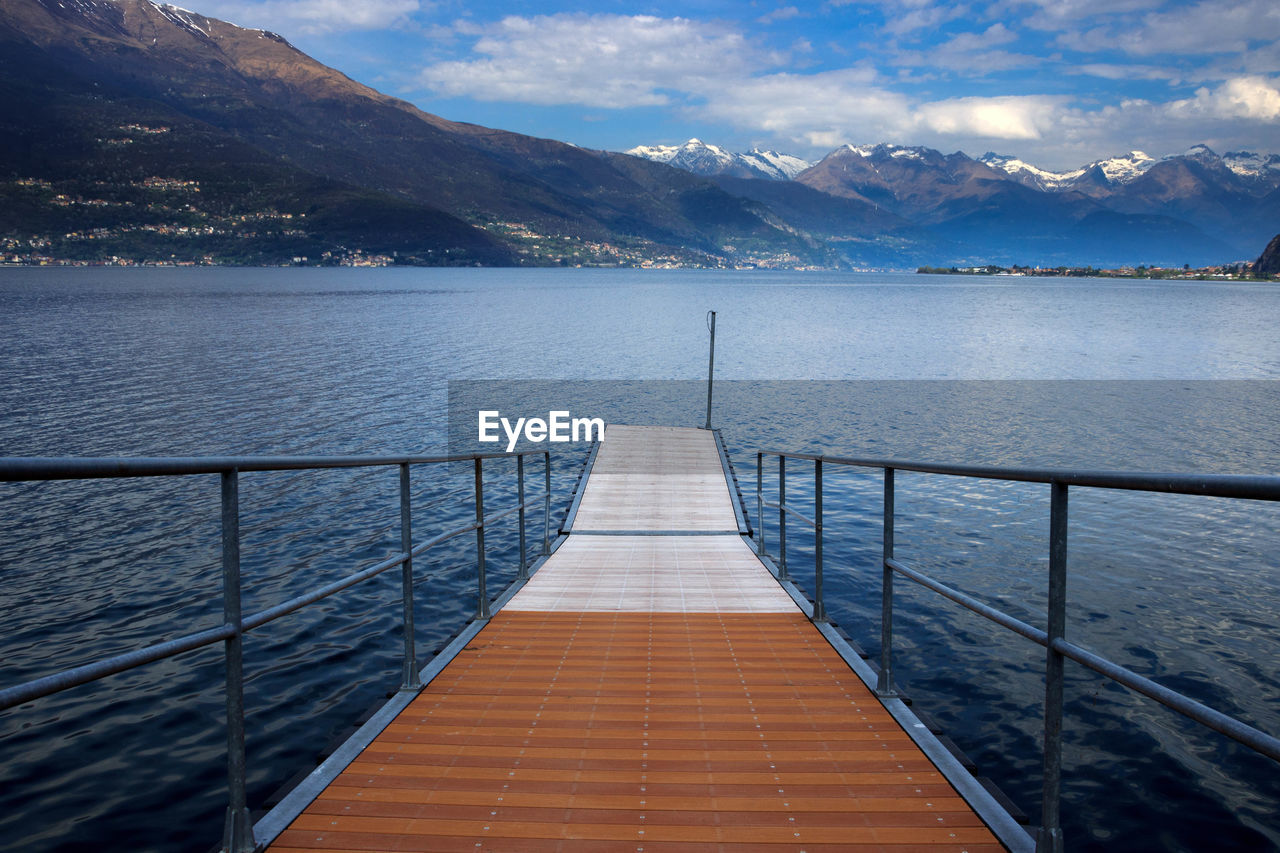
(1059, 83)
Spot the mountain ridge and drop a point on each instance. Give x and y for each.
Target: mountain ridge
(1202, 201)
(130, 126)
(545, 201)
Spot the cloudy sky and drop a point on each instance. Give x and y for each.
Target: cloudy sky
(1057, 82)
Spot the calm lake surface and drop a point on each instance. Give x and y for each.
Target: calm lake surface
(1091, 374)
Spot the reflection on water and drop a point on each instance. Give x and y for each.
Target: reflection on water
(171, 362)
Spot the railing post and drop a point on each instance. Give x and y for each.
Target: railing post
(1049, 838)
(546, 506)
(482, 607)
(782, 518)
(819, 609)
(237, 835)
(523, 573)
(884, 682)
(711, 364)
(760, 504)
(409, 677)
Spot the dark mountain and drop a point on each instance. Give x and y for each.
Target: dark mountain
(1268, 263)
(1203, 191)
(910, 182)
(244, 105)
(865, 234)
(998, 219)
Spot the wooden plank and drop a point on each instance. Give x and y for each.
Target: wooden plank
(557, 762)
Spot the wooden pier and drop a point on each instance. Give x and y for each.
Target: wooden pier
(651, 688)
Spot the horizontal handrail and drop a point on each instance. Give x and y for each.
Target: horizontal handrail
(790, 511)
(1254, 738)
(1250, 487)
(1031, 632)
(65, 679)
(57, 682)
(490, 519)
(19, 468)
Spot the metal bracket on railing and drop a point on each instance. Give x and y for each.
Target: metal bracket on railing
(523, 572)
(237, 834)
(782, 519)
(884, 681)
(1049, 838)
(760, 549)
(409, 677)
(546, 507)
(819, 608)
(711, 363)
(482, 594)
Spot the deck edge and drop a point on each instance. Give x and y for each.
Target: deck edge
(731, 483)
(566, 526)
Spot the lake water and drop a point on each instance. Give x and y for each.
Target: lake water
(1085, 373)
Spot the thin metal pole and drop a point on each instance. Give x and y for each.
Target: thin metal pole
(760, 503)
(819, 609)
(546, 506)
(711, 366)
(237, 836)
(523, 573)
(482, 607)
(782, 518)
(1049, 838)
(884, 682)
(409, 677)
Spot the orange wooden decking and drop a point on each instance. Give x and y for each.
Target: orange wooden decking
(623, 722)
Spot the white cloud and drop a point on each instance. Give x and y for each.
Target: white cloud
(1209, 27)
(921, 16)
(1004, 118)
(1068, 14)
(1250, 98)
(313, 16)
(1111, 71)
(993, 35)
(715, 76)
(784, 13)
(819, 110)
(613, 61)
(971, 54)
(822, 111)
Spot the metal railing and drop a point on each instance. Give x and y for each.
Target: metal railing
(238, 830)
(1058, 648)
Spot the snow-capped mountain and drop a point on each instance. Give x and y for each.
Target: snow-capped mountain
(1246, 163)
(1121, 169)
(887, 149)
(1251, 168)
(702, 158)
(1254, 169)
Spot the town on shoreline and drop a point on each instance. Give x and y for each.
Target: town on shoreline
(1242, 271)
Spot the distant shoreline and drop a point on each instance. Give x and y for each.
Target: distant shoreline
(1225, 272)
